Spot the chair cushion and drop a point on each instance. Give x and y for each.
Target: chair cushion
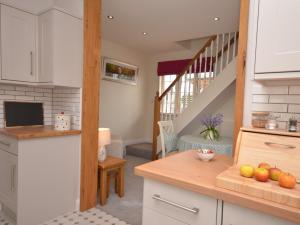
(170, 141)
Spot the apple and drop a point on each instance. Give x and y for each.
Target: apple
(264, 165)
(261, 174)
(287, 180)
(247, 171)
(274, 173)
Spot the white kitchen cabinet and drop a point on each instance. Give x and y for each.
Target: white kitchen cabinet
(8, 182)
(152, 217)
(172, 204)
(236, 215)
(278, 45)
(39, 177)
(18, 45)
(60, 49)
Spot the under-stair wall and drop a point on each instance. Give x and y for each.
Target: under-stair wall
(210, 93)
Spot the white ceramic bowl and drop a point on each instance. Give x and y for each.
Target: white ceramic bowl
(206, 154)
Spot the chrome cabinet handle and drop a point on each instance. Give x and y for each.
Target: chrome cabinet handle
(4, 143)
(279, 145)
(31, 63)
(193, 210)
(13, 174)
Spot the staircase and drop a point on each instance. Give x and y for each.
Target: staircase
(205, 77)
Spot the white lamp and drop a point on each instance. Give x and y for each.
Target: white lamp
(103, 139)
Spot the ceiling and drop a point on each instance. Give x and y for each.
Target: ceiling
(166, 21)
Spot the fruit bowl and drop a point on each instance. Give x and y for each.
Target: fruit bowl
(206, 154)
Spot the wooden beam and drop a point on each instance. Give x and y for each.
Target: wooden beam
(90, 104)
(241, 63)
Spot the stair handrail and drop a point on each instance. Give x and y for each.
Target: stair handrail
(202, 50)
(158, 98)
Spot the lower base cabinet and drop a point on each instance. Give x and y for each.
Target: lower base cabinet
(168, 205)
(152, 217)
(165, 204)
(236, 215)
(39, 177)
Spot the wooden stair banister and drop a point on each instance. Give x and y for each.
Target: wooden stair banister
(156, 118)
(202, 50)
(218, 50)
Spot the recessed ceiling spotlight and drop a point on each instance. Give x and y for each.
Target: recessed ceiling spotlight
(145, 33)
(110, 17)
(216, 18)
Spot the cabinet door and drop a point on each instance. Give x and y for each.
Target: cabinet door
(60, 49)
(17, 45)
(151, 217)
(278, 45)
(8, 179)
(236, 215)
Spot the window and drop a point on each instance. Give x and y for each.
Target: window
(183, 92)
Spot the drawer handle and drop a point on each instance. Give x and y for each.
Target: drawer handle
(4, 143)
(193, 210)
(280, 145)
(13, 174)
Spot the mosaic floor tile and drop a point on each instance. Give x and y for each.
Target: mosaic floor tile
(91, 217)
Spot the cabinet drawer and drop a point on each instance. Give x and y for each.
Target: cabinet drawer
(8, 144)
(151, 217)
(280, 151)
(177, 203)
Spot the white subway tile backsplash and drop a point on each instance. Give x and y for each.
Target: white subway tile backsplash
(284, 99)
(25, 98)
(66, 99)
(7, 97)
(14, 92)
(259, 88)
(294, 108)
(269, 107)
(260, 98)
(294, 90)
(280, 99)
(32, 93)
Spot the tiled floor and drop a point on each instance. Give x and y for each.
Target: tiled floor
(91, 217)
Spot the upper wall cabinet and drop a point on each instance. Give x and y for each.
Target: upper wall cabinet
(60, 49)
(278, 39)
(18, 45)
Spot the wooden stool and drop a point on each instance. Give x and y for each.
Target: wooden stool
(111, 166)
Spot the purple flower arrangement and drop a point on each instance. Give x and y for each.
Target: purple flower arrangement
(211, 123)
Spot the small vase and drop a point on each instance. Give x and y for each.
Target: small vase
(102, 154)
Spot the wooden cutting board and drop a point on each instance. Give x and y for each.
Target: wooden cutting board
(230, 179)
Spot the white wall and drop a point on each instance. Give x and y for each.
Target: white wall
(123, 108)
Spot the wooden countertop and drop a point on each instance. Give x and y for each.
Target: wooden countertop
(35, 132)
(185, 170)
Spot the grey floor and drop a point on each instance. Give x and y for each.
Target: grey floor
(128, 208)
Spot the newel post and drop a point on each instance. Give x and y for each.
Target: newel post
(156, 118)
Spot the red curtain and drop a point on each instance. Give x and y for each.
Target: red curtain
(177, 66)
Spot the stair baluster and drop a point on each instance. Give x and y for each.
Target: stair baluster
(206, 65)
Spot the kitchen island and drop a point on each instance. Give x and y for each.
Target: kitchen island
(39, 172)
(190, 184)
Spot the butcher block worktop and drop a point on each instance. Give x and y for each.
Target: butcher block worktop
(187, 171)
(35, 132)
